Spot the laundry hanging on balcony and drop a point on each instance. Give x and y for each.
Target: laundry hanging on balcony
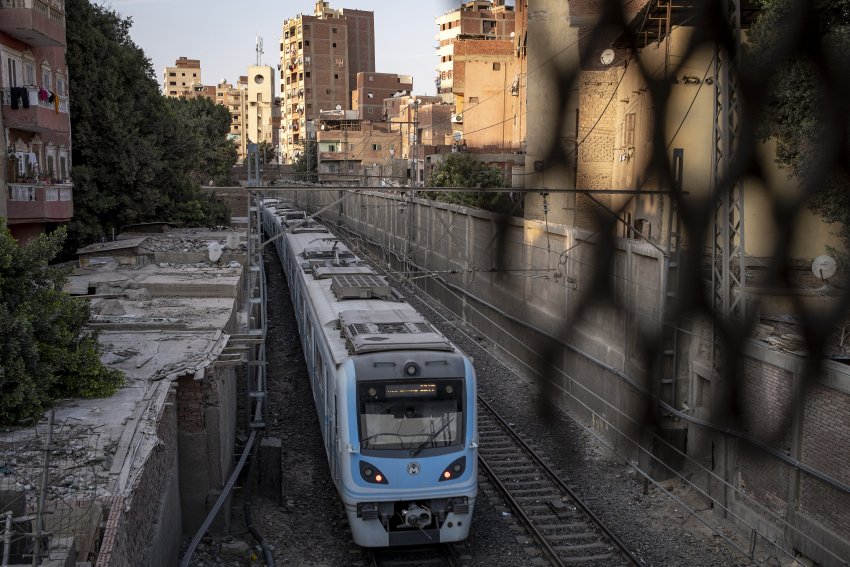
(43, 94)
(54, 98)
(19, 95)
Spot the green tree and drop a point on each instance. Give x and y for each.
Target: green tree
(137, 155)
(45, 350)
(307, 164)
(794, 116)
(464, 170)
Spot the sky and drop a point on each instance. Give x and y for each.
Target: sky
(223, 34)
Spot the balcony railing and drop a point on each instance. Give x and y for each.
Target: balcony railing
(52, 9)
(37, 202)
(32, 95)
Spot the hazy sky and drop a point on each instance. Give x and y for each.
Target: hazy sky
(223, 34)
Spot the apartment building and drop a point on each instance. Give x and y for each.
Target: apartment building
(37, 192)
(235, 98)
(372, 88)
(480, 19)
(350, 148)
(182, 78)
(320, 57)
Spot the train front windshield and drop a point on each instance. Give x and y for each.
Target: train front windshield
(410, 416)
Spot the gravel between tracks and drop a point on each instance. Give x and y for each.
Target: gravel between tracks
(309, 529)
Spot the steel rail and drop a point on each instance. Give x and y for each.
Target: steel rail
(538, 536)
(561, 484)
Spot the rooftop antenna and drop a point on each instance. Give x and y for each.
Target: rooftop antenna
(259, 51)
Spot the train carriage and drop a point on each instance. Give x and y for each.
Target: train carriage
(396, 400)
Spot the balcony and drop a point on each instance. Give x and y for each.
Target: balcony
(40, 203)
(41, 116)
(38, 23)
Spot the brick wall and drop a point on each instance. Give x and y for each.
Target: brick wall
(597, 140)
(766, 396)
(826, 446)
(143, 528)
(819, 437)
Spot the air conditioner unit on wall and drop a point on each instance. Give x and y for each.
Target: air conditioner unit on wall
(457, 118)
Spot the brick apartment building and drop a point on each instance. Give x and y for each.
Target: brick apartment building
(481, 19)
(37, 191)
(320, 57)
(371, 89)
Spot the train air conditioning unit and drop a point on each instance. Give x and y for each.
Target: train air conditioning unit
(364, 286)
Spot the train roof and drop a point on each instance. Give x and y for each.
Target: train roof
(357, 310)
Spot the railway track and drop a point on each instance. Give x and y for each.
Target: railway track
(424, 556)
(562, 529)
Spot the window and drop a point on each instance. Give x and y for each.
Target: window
(375, 147)
(333, 30)
(307, 42)
(473, 99)
(410, 416)
(172, 83)
(259, 97)
(308, 74)
(333, 44)
(629, 130)
(172, 74)
(63, 167)
(29, 73)
(327, 91)
(336, 76)
(331, 148)
(497, 66)
(12, 69)
(194, 74)
(300, 45)
(46, 78)
(370, 110)
(182, 74)
(371, 78)
(61, 85)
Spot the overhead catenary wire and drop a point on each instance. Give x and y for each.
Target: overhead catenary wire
(637, 443)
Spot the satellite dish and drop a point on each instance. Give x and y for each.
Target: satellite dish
(339, 107)
(512, 34)
(233, 241)
(607, 57)
(457, 136)
(824, 267)
(214, 251)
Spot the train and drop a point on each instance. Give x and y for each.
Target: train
(396, 400)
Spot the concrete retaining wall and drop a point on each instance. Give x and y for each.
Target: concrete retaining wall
(527, 292)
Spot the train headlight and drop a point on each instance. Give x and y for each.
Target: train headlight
(454, 470)
(371, 474)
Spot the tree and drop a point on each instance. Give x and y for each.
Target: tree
(464, 170)
(45, 350)
(794, 115)
(137, 156)
(307, 164)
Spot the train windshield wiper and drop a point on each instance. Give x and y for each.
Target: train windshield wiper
(432, 437)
